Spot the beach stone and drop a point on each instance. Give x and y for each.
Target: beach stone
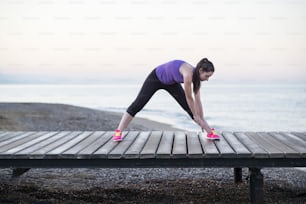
(127, 185)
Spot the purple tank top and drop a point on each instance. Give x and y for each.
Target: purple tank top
(169, 73)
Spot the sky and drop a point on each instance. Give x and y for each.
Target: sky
(249, 40)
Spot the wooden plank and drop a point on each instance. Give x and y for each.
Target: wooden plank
(165, 146)
(120, 149)
(134, 150)
(209, 147)
(194, 146)
(27, 145)
(224, 148)
(2, 135)
(90, 149)
(179, 149)
(25, 153)
(103, 151)
(56, 153)
(256, 150)
(150, 148)
(293, 137)
(24, 149)
(292, 141)
(300, 135)
(285, 149)
(73, 151)
(15, 142)
(8, 135)
(273, 151)
(42, 136)
(63, 137)
(13, 137)
(238, 147)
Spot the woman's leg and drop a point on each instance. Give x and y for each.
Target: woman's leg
(178, 94)
(125, 121)
(149, 87)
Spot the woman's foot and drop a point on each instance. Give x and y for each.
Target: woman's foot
(117, 135)
(213, 135)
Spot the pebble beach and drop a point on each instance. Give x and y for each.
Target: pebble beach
(149, 185)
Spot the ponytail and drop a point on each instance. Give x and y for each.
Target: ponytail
(204, 65)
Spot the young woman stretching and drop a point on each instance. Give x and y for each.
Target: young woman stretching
(168, 76)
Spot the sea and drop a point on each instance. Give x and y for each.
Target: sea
(227, 107)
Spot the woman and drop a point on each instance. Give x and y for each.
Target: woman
(168, 76)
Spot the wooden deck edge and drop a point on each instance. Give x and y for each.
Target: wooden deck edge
(153, 163)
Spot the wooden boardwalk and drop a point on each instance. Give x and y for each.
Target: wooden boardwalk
(24, 150)
(150, 145)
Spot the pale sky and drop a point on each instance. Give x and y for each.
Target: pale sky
(246, 39)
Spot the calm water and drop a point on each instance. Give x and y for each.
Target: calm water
(233, 107)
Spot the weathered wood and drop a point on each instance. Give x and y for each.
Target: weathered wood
(237, 175)
(10, 142)
(295, 139)
(256, 186)
(103, 151)
(224, 148)
(179, 149)
(272, 150)
(300, 135)
(38, 145)
(256, 150)
(194, 146)
(56, 153)
(281, 147)
(134, 150)
(48, 138)
(149, 150)
(29, 144)
(24, 150)
(21, 140)
(165, 146)
(120, 149)
(209, 147)
(102, 138)
(293, 142)
(5, 136)
(73, 151)
(3, 133)
(61, 138)
(239, 148)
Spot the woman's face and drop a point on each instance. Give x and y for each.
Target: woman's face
(204, 76)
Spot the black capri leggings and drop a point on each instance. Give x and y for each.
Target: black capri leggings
(150, 86)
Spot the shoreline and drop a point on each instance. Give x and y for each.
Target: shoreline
(49, 117)
(127, 185)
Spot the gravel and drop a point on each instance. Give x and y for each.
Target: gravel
(127, 185)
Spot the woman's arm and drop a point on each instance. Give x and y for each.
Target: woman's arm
(198, 104)
(187, 71)
(194, 105)
(188, 94)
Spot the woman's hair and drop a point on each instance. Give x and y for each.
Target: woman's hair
(204, 65)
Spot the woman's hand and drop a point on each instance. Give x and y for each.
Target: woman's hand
(202, 123)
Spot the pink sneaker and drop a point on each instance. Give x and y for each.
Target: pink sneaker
(117, 136)
(213, 135)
